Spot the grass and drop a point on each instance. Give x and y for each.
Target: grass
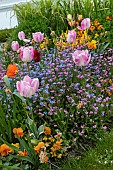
(99, 158)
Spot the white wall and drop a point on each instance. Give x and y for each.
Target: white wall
(7, 17)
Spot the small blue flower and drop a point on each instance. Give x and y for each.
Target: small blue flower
(45, 113)
(91, 95)
(41, 103)
(41, 98)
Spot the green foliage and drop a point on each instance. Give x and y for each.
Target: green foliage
(48, 15)
(4, 34)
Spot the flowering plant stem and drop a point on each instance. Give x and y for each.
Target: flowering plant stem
(28, 68)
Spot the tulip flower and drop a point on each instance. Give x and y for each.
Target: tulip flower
(12, 70)
(15, 45)
(85, 24)
(38, 36)
(36, 56)
(71, 36)
(21, 35)
(27, 87)
(27, 53)
(81, 57)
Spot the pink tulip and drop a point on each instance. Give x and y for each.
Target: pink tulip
(21, 35)
(15, 45)
(71, 36)
(81, 57)
(27, 53)
(85, 24)
(27, 87)
(26, 40)
(38, 36)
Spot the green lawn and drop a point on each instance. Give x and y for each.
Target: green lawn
(99, 158)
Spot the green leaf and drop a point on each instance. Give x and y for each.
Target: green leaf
(18, 95)
(41, 129)
(0, 162)
(6, 80)
(111, 70)
(29, 149)
(32, 126)
(103, 48)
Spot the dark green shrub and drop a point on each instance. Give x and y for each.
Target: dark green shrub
(4, 34)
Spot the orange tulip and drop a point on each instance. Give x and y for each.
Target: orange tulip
(12, 70)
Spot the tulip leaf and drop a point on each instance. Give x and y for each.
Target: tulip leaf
(6, 80)
(41, 129)
(103, 48)
(19, 96)
(32, 126)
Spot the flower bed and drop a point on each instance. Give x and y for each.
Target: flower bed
(65, 90)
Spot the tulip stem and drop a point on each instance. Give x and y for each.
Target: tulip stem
(28, 69)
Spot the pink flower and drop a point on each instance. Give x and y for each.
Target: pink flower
(38, 36)
(15, 45)
(27, 87)
(71, 36)
(85, 24)
(27, 53)
(81, 57)
(21, 35)
(26, 40)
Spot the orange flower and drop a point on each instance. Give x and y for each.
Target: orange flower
(51, 139)
(43, 157)
(76, 22)
(92, 28)
(53, 152)
(79, 105)
(99, 27)
(21, 153)
(18, 132)
(7, 91)
(92, 44)
(109, 93)
(110, 81)
(5, 44)
(57, 145)
(3, 50)
(109, 18)
(4, 149)
(47, 131)
(71, 23)
(12, 70)
(96, 22)
(39, 147)
(80, 17)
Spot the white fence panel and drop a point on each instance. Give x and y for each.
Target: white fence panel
(7, 17)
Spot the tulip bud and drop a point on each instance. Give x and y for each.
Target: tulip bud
(38, 36)
(15, 45)
(80, 17)
(21, 35)
(69, 17)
